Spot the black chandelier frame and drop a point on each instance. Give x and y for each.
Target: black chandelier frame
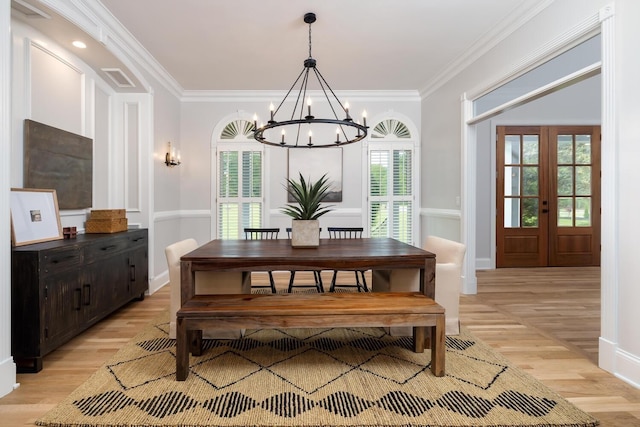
(302, 80)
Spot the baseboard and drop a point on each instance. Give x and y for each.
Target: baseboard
(7, 376)
(158, 282)
(469, 285)
(606, 355)
(620, 363)
(483, 264)
(628, 368)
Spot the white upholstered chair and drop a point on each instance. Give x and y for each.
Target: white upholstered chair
(206, 282)
(449, 257)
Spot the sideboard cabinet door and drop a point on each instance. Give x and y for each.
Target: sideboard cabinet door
(61, 288)
(63, 309)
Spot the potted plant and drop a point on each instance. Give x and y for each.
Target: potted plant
(308, 195)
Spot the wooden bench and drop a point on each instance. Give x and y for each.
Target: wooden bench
(253, 311)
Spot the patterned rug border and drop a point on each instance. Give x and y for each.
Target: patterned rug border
(136, 387)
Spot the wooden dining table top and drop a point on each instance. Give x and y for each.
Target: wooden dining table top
(278, 254)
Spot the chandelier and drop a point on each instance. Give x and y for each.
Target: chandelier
(297, 130)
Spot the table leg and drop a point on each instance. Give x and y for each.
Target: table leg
(187, 282)
(418, 339)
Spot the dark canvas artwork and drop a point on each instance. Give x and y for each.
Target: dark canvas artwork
(60, 160)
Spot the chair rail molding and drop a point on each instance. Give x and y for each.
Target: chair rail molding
(180, 214)
(441, 213)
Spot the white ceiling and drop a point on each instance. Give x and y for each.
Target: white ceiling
(359, 45)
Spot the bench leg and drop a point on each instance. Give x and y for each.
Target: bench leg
(182, 350)
(438, 349)
(195, 342)
(418, 339)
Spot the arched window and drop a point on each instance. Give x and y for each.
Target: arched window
(391, 128)
(391, 205)
(239, 192)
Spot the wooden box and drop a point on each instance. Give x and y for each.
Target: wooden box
(106, 225)
(107, 213)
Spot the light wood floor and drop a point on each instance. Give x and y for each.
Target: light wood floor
(546, 321)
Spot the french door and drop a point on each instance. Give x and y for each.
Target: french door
(548, 196)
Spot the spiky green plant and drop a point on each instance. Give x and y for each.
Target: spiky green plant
(308, 195)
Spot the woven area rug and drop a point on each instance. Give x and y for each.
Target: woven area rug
(311, 377)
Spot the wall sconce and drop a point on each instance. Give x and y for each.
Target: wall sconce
(170, 159)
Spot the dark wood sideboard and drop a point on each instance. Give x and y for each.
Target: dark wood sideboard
(61, 288)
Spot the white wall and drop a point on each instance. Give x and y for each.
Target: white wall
(121, 125)
(7, 366)
(442, 109)
(619, 344)
(81, 102)
(201, 115)
(624, 309)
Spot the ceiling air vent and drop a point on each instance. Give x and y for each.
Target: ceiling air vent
(27, 10)
(118, 77)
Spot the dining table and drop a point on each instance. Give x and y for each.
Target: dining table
(393, 263)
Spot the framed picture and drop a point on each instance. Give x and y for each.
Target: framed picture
(313, 163)
(34, 216)
(55, 158)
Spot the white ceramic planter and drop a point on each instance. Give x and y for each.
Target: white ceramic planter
(305, 233)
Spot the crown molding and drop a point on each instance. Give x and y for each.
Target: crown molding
(262, 95)
(98, 22)
(484, 44)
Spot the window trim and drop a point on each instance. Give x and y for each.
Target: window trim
(239, 143)
(390, 143)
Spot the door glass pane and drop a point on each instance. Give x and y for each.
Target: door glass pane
(583, 180)
(583, 211)
(530, 181)
(379, 219)
(511, 213)
(512, 149)
(511, 181)
(565, 212)
(530, 212)
(583, 149)
(565, 149)
(565, 180)
(530, 148)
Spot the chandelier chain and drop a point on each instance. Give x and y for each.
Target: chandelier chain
(310, 40)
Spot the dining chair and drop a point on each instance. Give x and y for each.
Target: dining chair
(263, 234)
(348, 233)
(317, 277)
(207, 282)
(449, 258)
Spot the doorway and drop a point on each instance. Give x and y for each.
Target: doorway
(548, 196)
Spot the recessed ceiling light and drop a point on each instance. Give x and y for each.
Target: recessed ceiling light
(79, 44)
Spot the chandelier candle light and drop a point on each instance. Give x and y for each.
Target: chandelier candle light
(347, 131)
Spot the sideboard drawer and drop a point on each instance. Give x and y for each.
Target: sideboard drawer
(62, 259)
(104, 249)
